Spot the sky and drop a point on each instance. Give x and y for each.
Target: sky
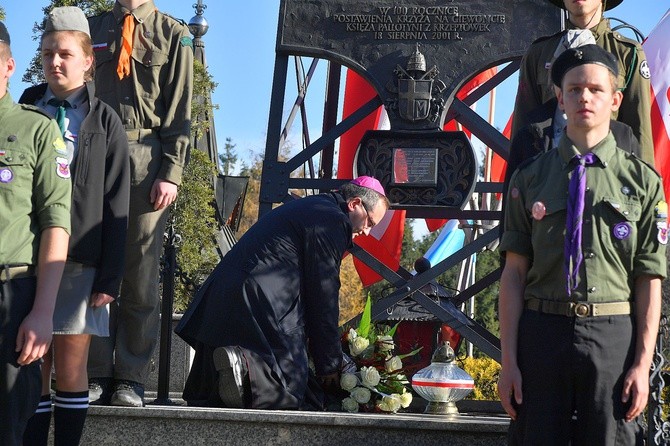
(240, 51)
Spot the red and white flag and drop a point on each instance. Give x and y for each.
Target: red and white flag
(658, 57)
(385, 239)
(434, 224)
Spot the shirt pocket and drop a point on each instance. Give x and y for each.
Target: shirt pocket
(149, 63)
(13, 172)
(619, 223)
(548, 232)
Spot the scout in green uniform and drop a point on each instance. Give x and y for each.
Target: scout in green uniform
(145, 72)
(34, 226)
(585, 235)
(535, 87)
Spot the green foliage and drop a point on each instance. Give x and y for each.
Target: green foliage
(195, 222)
(202, 109)
(485, 371)
(33, 74)
(366, 319)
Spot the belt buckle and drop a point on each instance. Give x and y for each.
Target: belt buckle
(581, 309)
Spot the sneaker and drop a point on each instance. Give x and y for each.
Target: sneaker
(231, 367)
(128, 394)
(99, 391)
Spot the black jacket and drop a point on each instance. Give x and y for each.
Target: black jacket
(276, 292)
(100, 191)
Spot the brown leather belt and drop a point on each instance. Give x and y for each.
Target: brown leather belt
(8, 273)
(579, 309)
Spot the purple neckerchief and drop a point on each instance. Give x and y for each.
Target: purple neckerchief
(573, 224)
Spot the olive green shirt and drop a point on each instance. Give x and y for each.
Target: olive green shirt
(35, 189)
(157, 93)
(624, 229)
(535, 86)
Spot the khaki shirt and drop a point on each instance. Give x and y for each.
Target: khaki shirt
(157, 94)
(535, 86)
(35, 189)
(623, 235)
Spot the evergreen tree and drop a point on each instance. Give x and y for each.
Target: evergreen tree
(228, 158)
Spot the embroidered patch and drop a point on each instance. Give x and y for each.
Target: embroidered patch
(62, 167)
(538, 210)
(186, 41)
(100, 46)
(661, 210)
(59, 144)
(621, 230)
(6, 175)
(662, 232)
(644, 70)
(2, 152)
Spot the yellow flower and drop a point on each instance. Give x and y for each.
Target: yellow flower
(405, 399)
(390, 403)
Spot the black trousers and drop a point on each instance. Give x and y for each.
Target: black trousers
(572, 379)
(20, 386)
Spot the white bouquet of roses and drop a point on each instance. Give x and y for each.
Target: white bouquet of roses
(372, 374)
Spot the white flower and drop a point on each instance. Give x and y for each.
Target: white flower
(358, 345)
(361, 395)
(385, 343)
(350, 405)
(370, 376)
(392, 364)
(405, 399)
(390, 403)
(348, 381)
(352, 334)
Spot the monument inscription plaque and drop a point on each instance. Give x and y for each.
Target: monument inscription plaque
(458, 38)
(416, 54)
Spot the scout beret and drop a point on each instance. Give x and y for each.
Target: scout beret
(587, 54)
(67, 18)
(4, 34)
(609, 4)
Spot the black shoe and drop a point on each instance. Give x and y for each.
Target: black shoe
(128, 394)
(99, 391)
(230, 364)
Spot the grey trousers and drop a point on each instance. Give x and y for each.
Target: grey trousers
(134, 317)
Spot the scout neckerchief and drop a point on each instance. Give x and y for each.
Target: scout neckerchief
(123, 67)
(60, 112)
(573, 225)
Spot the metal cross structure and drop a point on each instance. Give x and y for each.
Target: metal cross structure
(419, 99)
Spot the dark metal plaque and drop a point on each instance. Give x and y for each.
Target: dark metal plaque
(386, 42)
(439, 167)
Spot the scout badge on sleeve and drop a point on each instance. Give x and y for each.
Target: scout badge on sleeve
(661, 214)
(62, 167)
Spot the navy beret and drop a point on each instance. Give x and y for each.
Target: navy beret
(587, 54)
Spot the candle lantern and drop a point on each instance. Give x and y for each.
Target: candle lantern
(442, 383)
